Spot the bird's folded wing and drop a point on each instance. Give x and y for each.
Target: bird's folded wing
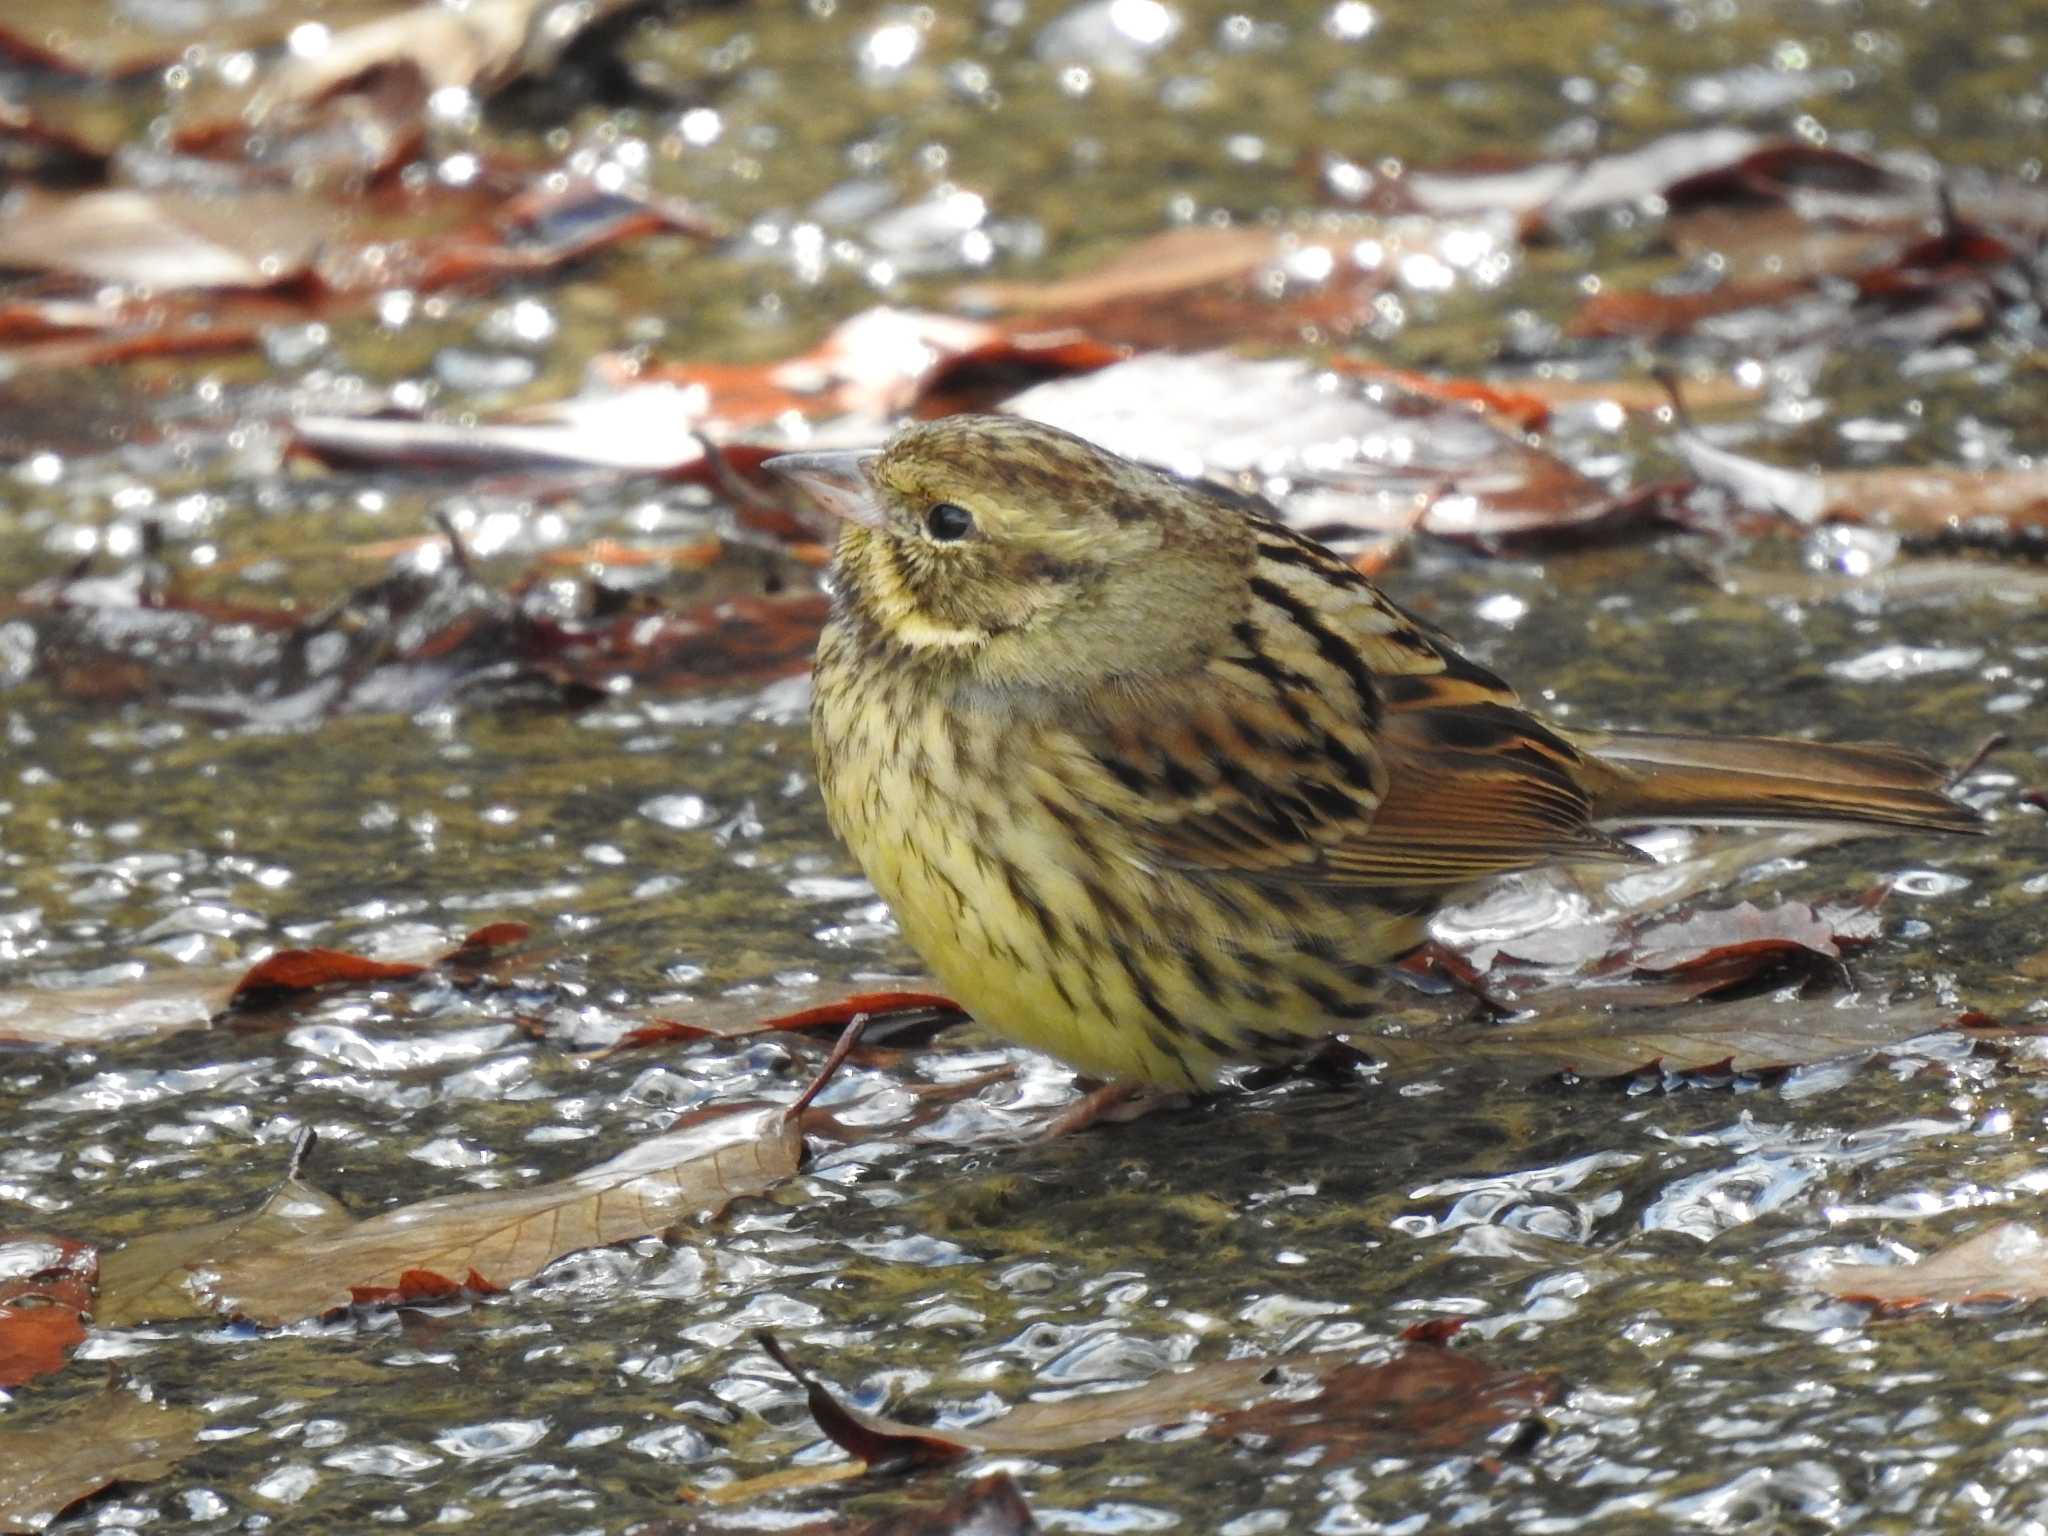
(1264, 769)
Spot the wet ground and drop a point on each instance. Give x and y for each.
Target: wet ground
(1650, 1241)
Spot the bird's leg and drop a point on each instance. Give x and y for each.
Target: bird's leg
(1110, 1103)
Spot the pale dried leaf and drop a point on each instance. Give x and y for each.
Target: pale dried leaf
(509, 1235)
(2006, 1262)
(149, 1278)
(116, 1437)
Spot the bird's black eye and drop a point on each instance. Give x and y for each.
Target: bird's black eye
(947, 522)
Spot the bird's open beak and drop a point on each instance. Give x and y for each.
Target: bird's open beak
(838, 482)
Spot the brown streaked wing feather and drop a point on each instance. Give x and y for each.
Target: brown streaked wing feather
(1343, 742)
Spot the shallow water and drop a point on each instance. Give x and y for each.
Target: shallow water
(1644, 1240)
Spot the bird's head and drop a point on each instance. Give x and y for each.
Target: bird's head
(1016, 555)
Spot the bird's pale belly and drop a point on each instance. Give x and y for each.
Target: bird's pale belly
(1046, 926)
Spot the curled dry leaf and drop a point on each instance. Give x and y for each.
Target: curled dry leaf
(2007, 1261)
(500, 1237)
(116, 1437)
(46, 1289)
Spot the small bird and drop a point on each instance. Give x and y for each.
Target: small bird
(1153, 782)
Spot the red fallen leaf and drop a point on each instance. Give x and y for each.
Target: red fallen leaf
(1201, 287)
(481, 947)
(301, 970)
(42, 1310)
(837, 1015)
(825, 1018)
(1435, 1330)
(417, 1286)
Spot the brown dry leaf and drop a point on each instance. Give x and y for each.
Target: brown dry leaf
(165, 240)
(2005, 1262)
(1545, 191)
(1912, 499)
(46, 1286)
(115, 1437)
(1355, 457)
(149, 1279)
(1195, 288)
(1427, 1398)
(1158, 265)
(1931, 499)
(1751, 1035)
(98, 1015)
(110, 42)
(1416, 1400)
(505, 1236)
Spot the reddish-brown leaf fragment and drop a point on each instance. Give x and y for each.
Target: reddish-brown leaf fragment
(1426, 1398)
(883, 1447)
(837, 1015)
(301, 970)
(42, 1310)
(422, 1286)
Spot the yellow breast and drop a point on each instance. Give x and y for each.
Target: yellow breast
(1037, 913)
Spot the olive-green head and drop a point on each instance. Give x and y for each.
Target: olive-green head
(1016, 554)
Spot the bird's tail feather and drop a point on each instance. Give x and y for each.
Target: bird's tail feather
(1656, 776)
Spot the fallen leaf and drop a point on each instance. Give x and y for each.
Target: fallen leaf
(1198, 287)
(165, 240)
(505, 1236)
(116, 42)
(149, 1279)
(116, 1437)
(302, 970)
(2007, 1261)
(1545, 192)
(1751, 1035)
(1428, 1397)
(356, 101)
(721, 1021)
(99, 1015)
(1342, 457)
(46, 1289)
(1923, 499)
